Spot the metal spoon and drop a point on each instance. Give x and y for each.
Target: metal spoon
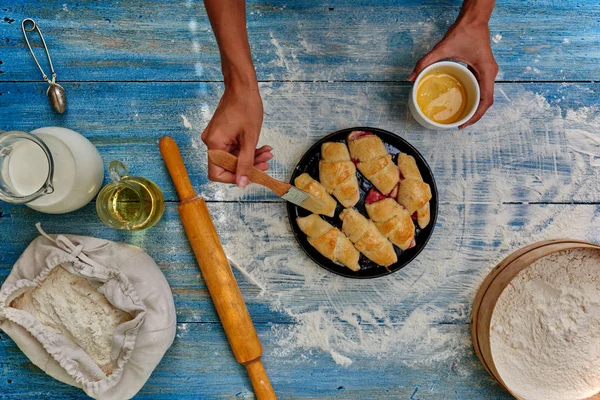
(56, 93)
(58, 98)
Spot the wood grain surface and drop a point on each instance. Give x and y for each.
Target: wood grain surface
(344, 40)
(135, 71)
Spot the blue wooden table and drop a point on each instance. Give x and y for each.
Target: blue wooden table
(137, 70)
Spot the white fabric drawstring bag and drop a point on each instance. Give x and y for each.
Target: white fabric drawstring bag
(92, 313)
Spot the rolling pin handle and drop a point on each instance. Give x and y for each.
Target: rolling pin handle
(260, 381)
(172, 157)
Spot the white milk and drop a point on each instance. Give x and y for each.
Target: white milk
(27, 168)
(64, 171)
(78, 171)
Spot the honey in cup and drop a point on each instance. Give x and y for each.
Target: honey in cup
(441, 96)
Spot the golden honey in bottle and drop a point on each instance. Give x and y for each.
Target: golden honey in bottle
(441, 97)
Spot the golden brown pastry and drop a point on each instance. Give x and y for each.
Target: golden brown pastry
(329, 241)
(367, 238)
(392, 220)
(314, 187)
(423, 216)
(419, 200)
(408, 167)
(337, 173)
(373, 160)
(413, 194)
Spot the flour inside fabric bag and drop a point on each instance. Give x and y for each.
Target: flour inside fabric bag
(92, 313)
(73, 306)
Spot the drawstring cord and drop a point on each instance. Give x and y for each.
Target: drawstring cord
(78, 251)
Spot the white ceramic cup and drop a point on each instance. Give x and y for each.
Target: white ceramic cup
(470, 84)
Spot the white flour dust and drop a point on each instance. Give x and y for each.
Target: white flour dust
(533, 149)
(581, 140)
(186, 122)
(546, 328)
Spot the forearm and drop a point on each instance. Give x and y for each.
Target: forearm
(476, 12)
(228, 20)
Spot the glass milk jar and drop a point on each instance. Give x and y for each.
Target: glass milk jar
(52, 170)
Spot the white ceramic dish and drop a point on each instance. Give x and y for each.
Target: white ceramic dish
(471, 86)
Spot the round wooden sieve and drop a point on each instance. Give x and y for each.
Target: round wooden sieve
(493, 285)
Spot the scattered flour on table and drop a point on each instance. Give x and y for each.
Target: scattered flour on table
(281, 58)
(186, 122)
(196, 49)
(193, 25)
(405, 317)
(198, 66)
(545, 335)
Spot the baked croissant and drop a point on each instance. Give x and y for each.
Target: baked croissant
(337, 173)
(413, 193)
(367, 238)
(329, 241)
(408, 167)
(392, 220)
(373, 160)
(423, 216)
(314, 187)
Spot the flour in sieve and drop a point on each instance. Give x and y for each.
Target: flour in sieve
(545, 335)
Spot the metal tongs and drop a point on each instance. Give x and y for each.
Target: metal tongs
(56, 93)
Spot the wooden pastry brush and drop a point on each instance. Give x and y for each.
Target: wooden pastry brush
(217, 273)
(284, 190)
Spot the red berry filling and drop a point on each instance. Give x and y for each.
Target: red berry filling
(358, 134)
(400, 175)
(374, 196)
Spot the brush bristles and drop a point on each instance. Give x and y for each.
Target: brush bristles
(305, 200)
(315, 205)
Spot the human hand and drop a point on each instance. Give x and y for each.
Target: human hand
(469, 43)
(235, 128)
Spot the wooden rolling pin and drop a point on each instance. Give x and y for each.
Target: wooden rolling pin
(217, 273)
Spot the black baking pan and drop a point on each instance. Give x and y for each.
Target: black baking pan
(368, 269)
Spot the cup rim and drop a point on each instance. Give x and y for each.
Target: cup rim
(454, 64)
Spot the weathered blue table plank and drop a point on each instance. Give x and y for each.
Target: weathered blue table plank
(532, 137)
(200, 366)
(340, 40)
(257, 238)
(446, 274)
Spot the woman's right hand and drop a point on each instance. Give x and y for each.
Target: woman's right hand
(235, 127)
